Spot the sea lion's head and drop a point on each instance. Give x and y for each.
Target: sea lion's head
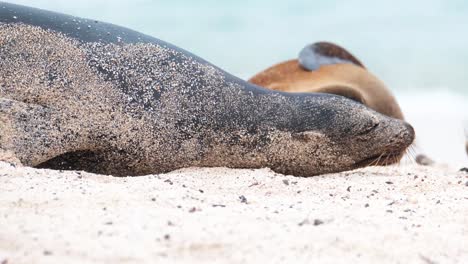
(331, 133)
(324, 67)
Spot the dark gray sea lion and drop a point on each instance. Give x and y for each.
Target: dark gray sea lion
(325, 67)
(81, 94)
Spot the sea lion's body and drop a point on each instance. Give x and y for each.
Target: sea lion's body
(347, 78)
(80, 94)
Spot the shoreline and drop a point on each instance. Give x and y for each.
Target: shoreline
(373, 215)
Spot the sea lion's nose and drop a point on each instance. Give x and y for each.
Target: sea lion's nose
(410, 131)
(403, 137)
(407, 134)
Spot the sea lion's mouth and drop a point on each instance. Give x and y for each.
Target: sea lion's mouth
(380, 160)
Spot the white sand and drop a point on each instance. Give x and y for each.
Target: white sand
(405, 214)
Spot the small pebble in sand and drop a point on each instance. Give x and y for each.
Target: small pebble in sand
(465, 169)
(366, 205)
(304, 222)
(153, 199)
(286, 182)
(201, 191)
(243, 199)
(315, 223)
(427, 260)
(167, 237)
(424, 160)
(169, 181)
(389, 182)
(109, 223)
(193, 210)
(47, 252)
(253, 184)
(348, 189)
(318, 222)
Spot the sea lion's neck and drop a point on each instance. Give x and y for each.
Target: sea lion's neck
(251, 107)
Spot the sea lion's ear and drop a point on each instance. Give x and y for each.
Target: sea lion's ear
(345, 91)
(315, 55)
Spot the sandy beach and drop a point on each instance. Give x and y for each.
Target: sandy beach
(75, 91)
(398, 214)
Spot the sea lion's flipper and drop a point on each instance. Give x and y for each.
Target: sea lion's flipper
(315, 55)
(345, 91)
(32, 133)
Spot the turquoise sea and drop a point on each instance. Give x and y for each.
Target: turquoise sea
(409, 44)
(418, 48)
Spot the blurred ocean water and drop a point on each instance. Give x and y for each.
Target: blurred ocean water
(409, 44)
(418, 48)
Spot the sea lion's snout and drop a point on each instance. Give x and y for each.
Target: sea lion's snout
(364, 137)
(403, 136)
(334, 133)
(387, 142)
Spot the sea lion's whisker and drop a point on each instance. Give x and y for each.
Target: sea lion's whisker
(387, 158)
(412, 155)
(409, 156)
(376, 161)
(413, 148)
(413, 159)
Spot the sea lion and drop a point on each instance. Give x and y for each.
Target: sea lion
(466, 141)
(325, 67)
(82, 94)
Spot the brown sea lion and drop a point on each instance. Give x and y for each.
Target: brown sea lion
(328, 68)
